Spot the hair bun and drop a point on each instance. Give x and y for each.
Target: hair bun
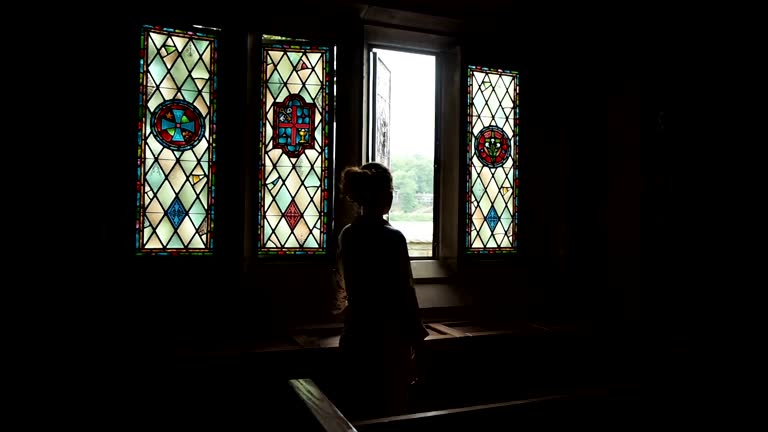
(367, 184)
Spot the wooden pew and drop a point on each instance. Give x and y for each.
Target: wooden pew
(328, 417)
(602, 410)
(479, 417)
(612, 408)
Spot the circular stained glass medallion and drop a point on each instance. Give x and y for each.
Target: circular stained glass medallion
(177, 124)
(492, 146)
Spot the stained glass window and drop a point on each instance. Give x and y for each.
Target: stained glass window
(492, 164)
(177, 131)
(295, 144)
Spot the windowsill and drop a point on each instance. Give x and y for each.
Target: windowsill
(440, 297)
(435, 285)
(430, 271)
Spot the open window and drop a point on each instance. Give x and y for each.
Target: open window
(402, 136)
(412, 123)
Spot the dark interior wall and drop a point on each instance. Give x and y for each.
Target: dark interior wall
(592, 240)
(685, 111)
(580, 164)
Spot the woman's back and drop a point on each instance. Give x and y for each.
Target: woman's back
(377, 275)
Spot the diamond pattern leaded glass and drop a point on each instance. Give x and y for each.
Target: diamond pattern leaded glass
(492, 163)
(294, 149)
(177, 129)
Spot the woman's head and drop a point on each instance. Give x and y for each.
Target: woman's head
(370, 186)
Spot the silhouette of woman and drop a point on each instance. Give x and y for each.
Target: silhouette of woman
(382, 324)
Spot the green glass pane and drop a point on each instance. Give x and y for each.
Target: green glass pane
(283, 198)
(202, 45)
(164, 230)
(485, 204)
(484, 233)
(312, 181)
(175, 242)
(313, 80)
(282, 231)
(477, 188)
(155, 177)
(311, 242)
(190, 56)
(179, 72)
(285, 67)
(196, 243)
(294, 57)
(166, 195)
(157, 69)
(187, 195)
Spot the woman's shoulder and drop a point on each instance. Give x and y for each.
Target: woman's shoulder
(361, 229)
(394, 232)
